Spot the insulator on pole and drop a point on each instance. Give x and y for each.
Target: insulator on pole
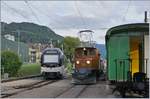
(145, 20)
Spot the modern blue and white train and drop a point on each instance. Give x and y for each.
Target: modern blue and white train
(52, 63)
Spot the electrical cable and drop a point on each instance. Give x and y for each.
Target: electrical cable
(16, 11)
(33, 13)
(79, 13)
(124, 17)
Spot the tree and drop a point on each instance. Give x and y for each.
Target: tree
(70, 43)
(10, 62)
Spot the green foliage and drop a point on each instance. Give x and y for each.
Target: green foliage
(29, 69)
(30, 33)
(13, 46)
(70, 43)
(69, 68)
(10, 62)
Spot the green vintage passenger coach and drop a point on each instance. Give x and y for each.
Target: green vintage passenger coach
(127, 50)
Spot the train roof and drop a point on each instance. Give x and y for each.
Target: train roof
(53, 49)
(85, 31)
(140, 27)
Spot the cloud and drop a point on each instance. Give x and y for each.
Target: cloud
(68, 17)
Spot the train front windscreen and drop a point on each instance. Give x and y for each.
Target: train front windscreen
(85, 52)
(51, 58)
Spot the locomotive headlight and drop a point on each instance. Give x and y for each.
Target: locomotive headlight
(77, 62)
(88, 62)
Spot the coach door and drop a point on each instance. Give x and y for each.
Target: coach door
(118, 53)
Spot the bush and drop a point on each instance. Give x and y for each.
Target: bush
(10, 62)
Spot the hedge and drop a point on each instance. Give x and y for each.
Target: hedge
(10, 63)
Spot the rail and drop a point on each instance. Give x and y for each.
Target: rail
(25, 88)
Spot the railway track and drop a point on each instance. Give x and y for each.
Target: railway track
(28, 87)
(75, 91)
(72, 90)
(59, 89)
(81, 91)
(64, 91)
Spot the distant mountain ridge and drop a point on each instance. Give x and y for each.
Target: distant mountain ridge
(102, 49)
(30, 32)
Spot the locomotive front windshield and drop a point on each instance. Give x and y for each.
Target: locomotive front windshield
(85, 52)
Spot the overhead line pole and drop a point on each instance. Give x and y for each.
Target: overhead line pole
(18, 42)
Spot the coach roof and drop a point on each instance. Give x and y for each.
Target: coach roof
(140, 27)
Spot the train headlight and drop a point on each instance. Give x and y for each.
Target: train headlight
(88, 62)
(77, 62)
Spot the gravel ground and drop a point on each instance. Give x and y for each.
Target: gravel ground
(9, 87)
(64, 89)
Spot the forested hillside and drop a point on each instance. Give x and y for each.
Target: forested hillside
(30, 32)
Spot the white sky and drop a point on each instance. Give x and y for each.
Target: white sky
(67, 18)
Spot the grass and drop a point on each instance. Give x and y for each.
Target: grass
(35, 69)
(29, 69)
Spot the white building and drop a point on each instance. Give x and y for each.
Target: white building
(9, 37)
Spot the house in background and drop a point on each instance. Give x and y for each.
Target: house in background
(10, 37)
(35, 51)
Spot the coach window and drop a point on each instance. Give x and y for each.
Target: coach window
(92, 52)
